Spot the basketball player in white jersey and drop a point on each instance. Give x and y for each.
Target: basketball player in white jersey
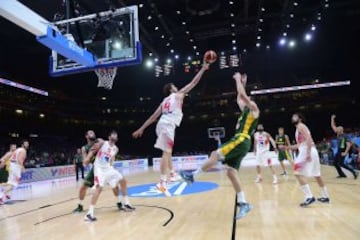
(171, 114)
(17, 159)
(262, 142)
(104, 172)
(307, 163)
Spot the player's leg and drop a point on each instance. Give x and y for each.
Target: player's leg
(4, 195)
(77, 171)
(315, 171)
(164, 142)
(303, 168)
(348, 167)
(123, 199)
(259, 160)
(173, 176)
(13, 181)
(272, 170)
(281, 158)
(337, 166)
(90, 216)
(88, 182)
(211, 161)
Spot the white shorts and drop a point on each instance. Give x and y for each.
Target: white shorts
(14, 174)
(165, 136)
(263, 158)
(307, 168)
(105, 176)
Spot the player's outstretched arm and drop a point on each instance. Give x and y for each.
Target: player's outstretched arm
(242, 98)
(138, 133)
(195, 80)
(333, 124)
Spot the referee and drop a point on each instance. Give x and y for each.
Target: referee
(343, 146)
(78, 162)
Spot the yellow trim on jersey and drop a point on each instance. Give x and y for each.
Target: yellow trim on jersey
(248, 122)
(233, 144)
(288, 156)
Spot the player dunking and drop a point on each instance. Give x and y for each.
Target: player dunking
(89, 178)
(171, 115)
(104, 172)
(17, 159)
(283, 140)
(236, 148)
(262, 141)
(307, 163)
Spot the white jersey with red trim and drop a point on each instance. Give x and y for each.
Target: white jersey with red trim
(300, 139)
(171, 109)
(262, 142)
(104, 155)
(15, 155)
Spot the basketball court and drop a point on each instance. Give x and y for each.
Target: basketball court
(102, 42)
(44, 210)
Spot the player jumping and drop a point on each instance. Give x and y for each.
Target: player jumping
(236, 148)
(171, 114)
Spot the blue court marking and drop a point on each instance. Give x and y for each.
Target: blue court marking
(176, 189)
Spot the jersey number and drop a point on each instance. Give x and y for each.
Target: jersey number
(167, 106)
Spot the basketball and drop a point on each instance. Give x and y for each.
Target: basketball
(210, 56)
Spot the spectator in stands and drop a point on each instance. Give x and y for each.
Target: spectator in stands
(343, 146)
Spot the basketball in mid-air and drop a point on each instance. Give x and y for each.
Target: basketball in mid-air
(210, 56)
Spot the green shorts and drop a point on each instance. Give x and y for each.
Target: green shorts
(235, 150)
(284, 155)
(89, 178)
(4, 174)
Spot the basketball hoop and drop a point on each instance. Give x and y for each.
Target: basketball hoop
(106, 77)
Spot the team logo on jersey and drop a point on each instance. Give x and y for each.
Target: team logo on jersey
(175, 189)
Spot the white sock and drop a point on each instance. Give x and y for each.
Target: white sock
(80, 202)
(197, 171)
(91, 210)
(119, 198)
(307, 191)
(172, 173)
(241, 197)
(163, 177)
(126, 200)
(275, 177)
(324, 192)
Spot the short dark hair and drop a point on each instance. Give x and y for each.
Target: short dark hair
(301, 116)
(23, 141)
(167, 88)
(112, 132)
(281, 128)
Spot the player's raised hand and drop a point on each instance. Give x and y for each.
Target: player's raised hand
(237, 76)
(244, 79)
(138, 133)
(206, 66)
(333, 116)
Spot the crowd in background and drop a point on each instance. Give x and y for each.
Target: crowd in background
(58, 151)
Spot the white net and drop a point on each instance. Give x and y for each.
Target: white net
(106, 77)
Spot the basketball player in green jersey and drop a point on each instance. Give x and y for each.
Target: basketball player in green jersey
(89, 179)
(283, 140)
(233, 151)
